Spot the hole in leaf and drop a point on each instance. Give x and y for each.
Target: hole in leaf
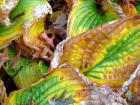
(49, 54)
(49, 35)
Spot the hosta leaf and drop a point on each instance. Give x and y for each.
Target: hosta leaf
(9, 33)
(52, 88)
(107, 54)
(25, 17)
(34, 15)
(31, 9)
(87, 14)
(24, 69)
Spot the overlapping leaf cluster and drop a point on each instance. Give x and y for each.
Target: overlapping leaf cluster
(102, 47)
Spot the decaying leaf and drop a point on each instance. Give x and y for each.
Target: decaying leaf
(5, 57)
(28, 19)
(3, 95)
(25, 50)
(34, 25)
(108, 54)
(128, 7)
(37, 39)
(70, 3)
(6, 6)
(129, 10)
(87, 14)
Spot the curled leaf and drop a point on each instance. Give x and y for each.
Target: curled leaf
(58, 53)
(32, 38)
(34, 23)
(25, 17)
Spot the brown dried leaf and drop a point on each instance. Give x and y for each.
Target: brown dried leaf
(70, 3)
(5, 57)
(3, 94)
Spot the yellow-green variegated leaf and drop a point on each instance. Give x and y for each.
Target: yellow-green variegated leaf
(25, 15)
(31, 9)
(31, 36)
(11, 32)
(108, 54)
(87, 14)
(34, 13)
(24, 71)
(49, 90)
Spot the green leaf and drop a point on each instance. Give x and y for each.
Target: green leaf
(23, 17)
(138, 6)
(23, 69)
(43, 67)
(62, 85)
(87, 14)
